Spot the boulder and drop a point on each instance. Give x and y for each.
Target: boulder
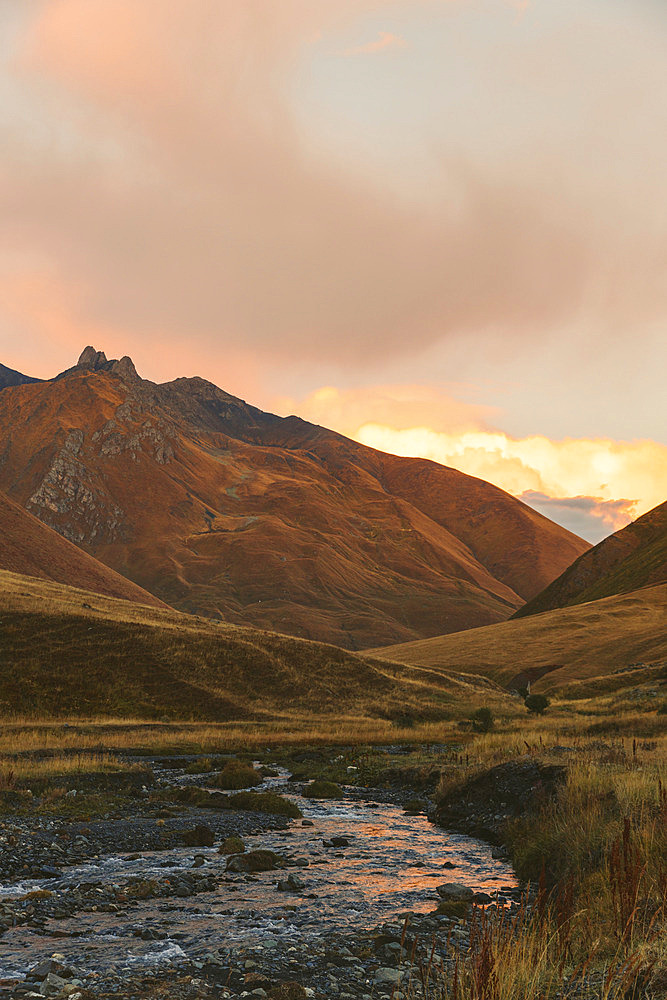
(387, 977)
(255, 861)
(291, 884)
(199, 836)
(455, 892)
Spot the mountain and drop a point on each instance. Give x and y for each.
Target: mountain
(591, 647)
(627, 560)
(9, 377)
(223, 510)
(67, 652)
(27, 546)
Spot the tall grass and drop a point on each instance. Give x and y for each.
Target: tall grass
(597, 856)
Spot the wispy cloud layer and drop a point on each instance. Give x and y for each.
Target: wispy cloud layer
(385, 40)
(168, 190)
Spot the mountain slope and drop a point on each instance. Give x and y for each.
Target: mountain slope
(9, 377)
(555, 648)
(223, 510)
(67, 652)
(27, 546)
(631, 558)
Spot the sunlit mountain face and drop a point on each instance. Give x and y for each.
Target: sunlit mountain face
(221, 509)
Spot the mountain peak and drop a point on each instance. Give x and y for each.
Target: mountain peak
(90, 358)
(125, 367)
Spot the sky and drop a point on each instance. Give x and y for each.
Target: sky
(437, 226)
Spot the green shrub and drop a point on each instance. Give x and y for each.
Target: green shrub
(537, 703)
(236, 774)
(265, 802)
(232, 845)
(203, 766)
(192, 796)
(414, 807)
(323, 790)
(483, 720)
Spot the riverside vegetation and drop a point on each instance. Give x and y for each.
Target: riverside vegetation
(589, 839)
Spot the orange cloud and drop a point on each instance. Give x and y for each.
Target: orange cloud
(594, 485)
(599, 468)
(385, 40)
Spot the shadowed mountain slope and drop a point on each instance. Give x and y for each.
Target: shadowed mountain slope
(224, 510)
(9, 377)
(27, 546)
(67, 652)
(631, 558)
(557, 648)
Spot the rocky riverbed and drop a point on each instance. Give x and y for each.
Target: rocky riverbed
(341, 903)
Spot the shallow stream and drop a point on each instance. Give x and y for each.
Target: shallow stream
(392, 865)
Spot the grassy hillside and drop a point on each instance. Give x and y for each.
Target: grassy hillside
(558, 648)
(67, 652)
(633, 557)
(29, 547)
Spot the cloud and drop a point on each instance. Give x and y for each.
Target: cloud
(401, 405)
(600, 468)
(154, 164)
(589, 517)
(592, 486)
(385, 40)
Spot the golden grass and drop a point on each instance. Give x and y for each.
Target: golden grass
(25, 769)
(19, 735)
(601, 850)
(586, 642)
(74, 654)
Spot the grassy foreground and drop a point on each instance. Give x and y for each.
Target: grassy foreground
(595, 854)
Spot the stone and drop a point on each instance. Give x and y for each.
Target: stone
(52, 985)
(482, 898)
(291, 884)
(255, 861)
(52, 966)
(387, 977)
(454, 891)
(199, 836)
(340, 842)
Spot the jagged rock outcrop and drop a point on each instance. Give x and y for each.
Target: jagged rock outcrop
(91, 360)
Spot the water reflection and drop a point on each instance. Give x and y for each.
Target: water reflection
(392, 864)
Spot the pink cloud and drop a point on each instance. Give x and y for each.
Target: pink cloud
(385, 40)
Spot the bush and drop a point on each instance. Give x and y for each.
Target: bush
(323, 790)
(483, 720)
(236, 774)
(232, 845)
(537, 703)
(265, 802)
(204, 765)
